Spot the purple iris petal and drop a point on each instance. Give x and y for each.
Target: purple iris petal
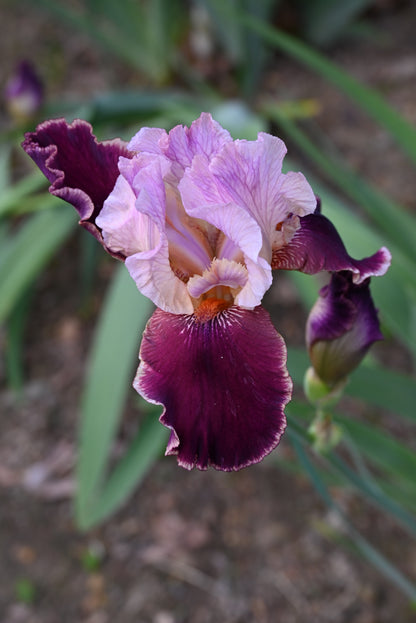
(317, 246)
(341, 327)
(223, 383)
(81, 170)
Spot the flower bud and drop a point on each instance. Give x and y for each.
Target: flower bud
(341, 327)
(325, 433)
(23, 93)
(320, 393)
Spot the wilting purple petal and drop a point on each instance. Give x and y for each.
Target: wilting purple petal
(81, 170)
(317, 246)
(341, 327)
(223, 384)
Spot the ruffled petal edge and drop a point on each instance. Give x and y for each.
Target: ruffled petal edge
(223, 384)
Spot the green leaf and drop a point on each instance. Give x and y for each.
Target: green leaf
(372, 383)
(146, 446)
(374, 494)
(139, 33)
(5, 166)
(11, 198)
(24, 255)
(310, 470)
(368, 99)
(243, 46)
(26, 592)
(384, 388)
(368, 489)
(89, 255)
(113, 358)
(137, 105)
(325, 20)
(382, 564)
(388, 454)
(15, 340)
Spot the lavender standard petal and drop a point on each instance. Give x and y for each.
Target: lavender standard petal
(223, 384)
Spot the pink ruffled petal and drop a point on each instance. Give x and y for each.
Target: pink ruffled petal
(259, 281)
(202, 199)
(204, 137)
(223, 384)
(133, 221)
(250, 174)
(124, 229)
(317, 246)
(154, 278)
(149, 140)
(222, 272)
(242, 238)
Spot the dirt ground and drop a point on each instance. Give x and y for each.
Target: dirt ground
(195, 547)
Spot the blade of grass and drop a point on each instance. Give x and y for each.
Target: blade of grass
(136, 105)
(146, 446)
(112, 361)
(15, 333)
(382, 449)
(374, 495)
(403, 491)
(5, 166)
(84, 23)
(384, 388)
(107, 33)
(29, 250)
(324, 20)
(12, 197)
(368, 99)
(90, 252)
(384, 566)
(370, 493)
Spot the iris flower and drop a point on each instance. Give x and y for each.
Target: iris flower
(200, 221)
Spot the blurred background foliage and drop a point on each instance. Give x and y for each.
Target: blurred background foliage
(214, 55)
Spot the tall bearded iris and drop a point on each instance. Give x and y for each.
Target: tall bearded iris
(200, 221)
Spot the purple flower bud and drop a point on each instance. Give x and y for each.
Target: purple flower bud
(341, 327)
(24, 93)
